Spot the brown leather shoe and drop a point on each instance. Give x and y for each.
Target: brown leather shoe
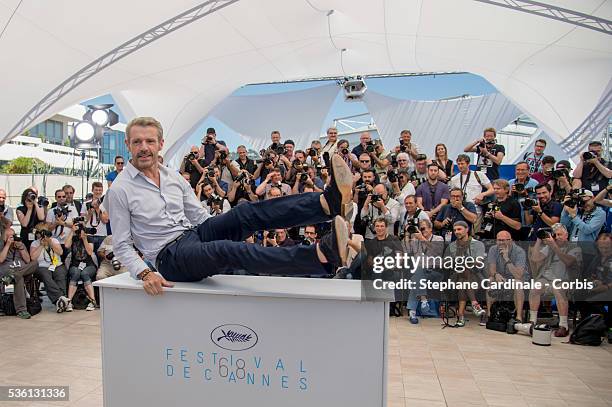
(562, 332)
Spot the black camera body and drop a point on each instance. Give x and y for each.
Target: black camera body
(241, 177)
(544, 233)
(114, 262)
(392, 175)
(587, 155)
(214, 200)
(529, 203)
(376, 197)
(209, 140)
(344, 151)
(16, 239)
(192, 156)
(575, 199)
(2, 208)
(43, 201)
(271, 234)
(31, 196)
(40, 234)
(312, 152)
(303, 177)
(369, 147)
(556, 174)
(222, 155)
(60, 211)
(278, 148)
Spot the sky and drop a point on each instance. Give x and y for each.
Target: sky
(430, 87)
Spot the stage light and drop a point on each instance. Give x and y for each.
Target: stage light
(84, 131)
(354, 89)
(100, 117)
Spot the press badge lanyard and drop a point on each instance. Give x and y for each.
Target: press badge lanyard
(467, 179)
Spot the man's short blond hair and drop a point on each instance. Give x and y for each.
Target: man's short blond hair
(145, 122)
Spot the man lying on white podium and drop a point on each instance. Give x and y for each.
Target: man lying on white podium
(152, 208)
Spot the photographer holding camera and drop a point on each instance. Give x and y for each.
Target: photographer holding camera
(490, 154)
(193, 164)
(6, 212)
(60, 219)
(407, 146)
(47, 251)
(242, 189)
(400, 184)
(603, 197)
(15, 264)
(533, 159)
(582, 218)
(307, 178)
(267, 164)
(244, 162)
(475, 184)
(553, 257)
(522, 185)
(210, 146)
(546, 173)
(278, 238)
(378, 204)
(420, 173)
(273, 178)
(410, 216)
(365, 140)
(211, 176)
(507, 261)
(95, 215)
(433, 194)
(363, 186)
(82, 266)
(562, 180)
(30, 213)
(349, 158)
(109, 265)
(457, 209)
(313, 154)
(593, 172)
(542, 212)
(502, 214)
(215, 204)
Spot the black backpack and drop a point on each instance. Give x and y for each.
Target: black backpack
(589, 331)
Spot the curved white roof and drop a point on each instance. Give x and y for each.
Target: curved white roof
(552, 69)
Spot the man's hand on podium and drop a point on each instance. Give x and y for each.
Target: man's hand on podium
(153, 284)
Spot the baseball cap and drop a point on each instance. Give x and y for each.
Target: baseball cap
(211, 130)
(564, 163)
(461, 223)
(587, 192)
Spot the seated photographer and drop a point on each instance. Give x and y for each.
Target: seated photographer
(60, 218)
(457, 209)
(29, 214)
(47, 251)
(507, 261)
(553, 257)
(422, 243)
(582, 218)
(475, 184)
(408, 147)
(378, 204)
(215, 204)
(433, 194)
(502, 214)
(490, 154)
(546, 173)
(603, 197)
(15, 264)
(593, 172)
(599, 299)
(269, 163)
(298, 165)
(273, 179)
(542, 212)
(193, 165)
(109, 265)
(310, 235)
(349, 158)
(6, 212)
(242, 189)
(465, 246)
(82, 266)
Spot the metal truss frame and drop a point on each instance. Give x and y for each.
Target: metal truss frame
(129, 47)
(556, 13)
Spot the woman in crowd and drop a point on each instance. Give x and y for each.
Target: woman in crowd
(82, 266)
(47, 250)
(30, 213)
(441, 159)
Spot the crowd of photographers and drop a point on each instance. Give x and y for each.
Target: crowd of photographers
(538, 224)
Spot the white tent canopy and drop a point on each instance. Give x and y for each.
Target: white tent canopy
(176, 60)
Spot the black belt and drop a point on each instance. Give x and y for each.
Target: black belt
(168, 245)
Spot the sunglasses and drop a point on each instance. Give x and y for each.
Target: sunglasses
(310, 233)
(364, 161)
(120, 163)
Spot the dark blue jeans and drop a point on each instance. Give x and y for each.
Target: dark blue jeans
(217, 245)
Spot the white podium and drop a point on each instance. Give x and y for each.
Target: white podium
(243, 341)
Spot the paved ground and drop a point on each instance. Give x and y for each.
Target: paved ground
(428, 366)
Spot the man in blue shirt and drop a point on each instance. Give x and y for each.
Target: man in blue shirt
(119, 163)
(583, 223)
(154, 210)
(456, 210)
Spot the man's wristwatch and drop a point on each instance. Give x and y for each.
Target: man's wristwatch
(144, 274)
(461, 209)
